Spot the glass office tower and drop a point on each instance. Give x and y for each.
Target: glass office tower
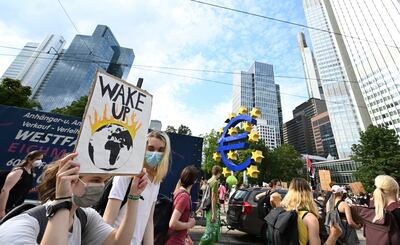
(75, 69)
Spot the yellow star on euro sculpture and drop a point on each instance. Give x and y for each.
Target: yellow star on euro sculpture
(217, 157)
(255, 113)
(221, 130)
(242, 110)
(226, 172)
(253, 136)
(232, 131)
(257, 156)
(252, 171)
(232, 115)
(247, 126)
(232, 155)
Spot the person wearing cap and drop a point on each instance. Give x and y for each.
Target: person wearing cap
(339, 218)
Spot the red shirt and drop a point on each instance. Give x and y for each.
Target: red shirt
(183, 205)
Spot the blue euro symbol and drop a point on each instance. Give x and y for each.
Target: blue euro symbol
(227, 143)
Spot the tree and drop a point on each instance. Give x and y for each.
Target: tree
(285, 163)
(76, 108)
(185, 130)
(170, 129)
(378, 152)
(210, 144)
(12, 93)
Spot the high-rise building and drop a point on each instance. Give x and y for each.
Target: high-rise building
(323, 136)
(370, 32)
(73, 73)
(34, 61)
(155, 125)
(278, 94)
(298, 132)
(344, 100)
(257, 88)
(314, 86)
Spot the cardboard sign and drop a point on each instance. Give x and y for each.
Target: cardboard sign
(325, 179)
(357, 188)
(112, 139)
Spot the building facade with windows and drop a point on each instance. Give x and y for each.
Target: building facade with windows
(74, 71)
(341, 170)
(346, 107)
(257, 88)
(325, 144)
(371, 34)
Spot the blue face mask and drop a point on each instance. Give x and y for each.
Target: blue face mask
(153, 158)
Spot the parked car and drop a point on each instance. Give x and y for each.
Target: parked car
(242, 212)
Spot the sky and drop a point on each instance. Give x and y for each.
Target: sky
(176, 34)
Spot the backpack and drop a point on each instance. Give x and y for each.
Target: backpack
(101, 205)
(264, 205)
(385, 231)
(39, 213)
(282, 227)
(162, 215)
(205, 204)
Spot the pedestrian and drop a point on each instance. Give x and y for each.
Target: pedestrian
(382, 218)
(221, 195)
(299, 198)
(156, 163)
(181, 220)
(18, 182)
(66, 196)
(213, 222)
(339, 217)
(264, 199)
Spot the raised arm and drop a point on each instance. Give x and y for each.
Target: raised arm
(11, 180)
(345, 207)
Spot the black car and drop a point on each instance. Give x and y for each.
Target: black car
(242, 212)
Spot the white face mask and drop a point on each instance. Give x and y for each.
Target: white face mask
(37, 163)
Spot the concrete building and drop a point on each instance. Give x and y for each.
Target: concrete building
(341, 170)
(257, 88)
(155, 125)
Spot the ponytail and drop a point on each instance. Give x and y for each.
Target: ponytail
(380, 204)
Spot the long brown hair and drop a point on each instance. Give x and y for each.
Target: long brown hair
(188, 176)
(28, 159)
(47, 186)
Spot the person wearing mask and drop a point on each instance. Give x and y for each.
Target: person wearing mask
(299, 198)
(18, 182)
(339, 217)
(156, 162)
(213, 222)
(221, 195)
(64, 193)
(181, 220)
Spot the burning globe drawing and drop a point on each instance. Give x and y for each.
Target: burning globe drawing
(111, 142)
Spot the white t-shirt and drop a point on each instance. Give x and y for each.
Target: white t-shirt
(24, 229)
(118, 191)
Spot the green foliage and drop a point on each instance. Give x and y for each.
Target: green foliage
(284, 164)
(377, 153)
(12, 93)
(210, 144)
(171, 129)
(77, 108)
(185, 130)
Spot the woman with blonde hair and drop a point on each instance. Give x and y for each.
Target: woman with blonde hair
(382, 221)
(156, 163)
(299, 198)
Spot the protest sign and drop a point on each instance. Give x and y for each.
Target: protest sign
(112, 139)
(325, 179)
(357, 188)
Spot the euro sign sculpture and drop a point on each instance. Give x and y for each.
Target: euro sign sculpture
(235, 142)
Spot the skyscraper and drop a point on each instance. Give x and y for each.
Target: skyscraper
(278, 94)
(371, 33)
(35, 61)
(311, 74)
(74, 71)
(323, 136)
(257, 88)
(344, 100)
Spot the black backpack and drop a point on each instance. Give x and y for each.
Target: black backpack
(39, 213)
(162, 215)
(101, 205)
(264, 205)
(282, 227)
